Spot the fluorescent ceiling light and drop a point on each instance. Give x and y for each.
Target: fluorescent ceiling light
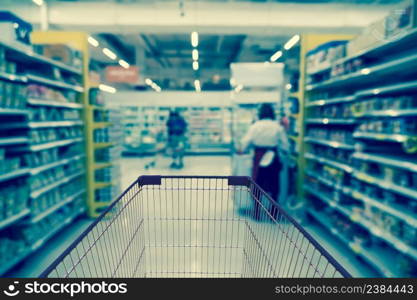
(197, 85)
(276, 55)
(292, 41)
(107, 88)
(158, 89)
(194, 39)
(148, 81)
(93, 42)
(195, 54)
(38, 2)
(195, 65)
(124, 64)
(109, 53)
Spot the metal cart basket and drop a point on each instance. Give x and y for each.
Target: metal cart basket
(172, 226)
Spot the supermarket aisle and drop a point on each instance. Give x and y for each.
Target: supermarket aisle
(132, 167)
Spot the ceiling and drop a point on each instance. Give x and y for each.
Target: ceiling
(167, 58)
(155, 34)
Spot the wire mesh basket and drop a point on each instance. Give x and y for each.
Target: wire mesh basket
(171, 226)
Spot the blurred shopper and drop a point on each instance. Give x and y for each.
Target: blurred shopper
(268, 139)
(177, 128)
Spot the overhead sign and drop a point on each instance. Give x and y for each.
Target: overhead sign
(121, 75)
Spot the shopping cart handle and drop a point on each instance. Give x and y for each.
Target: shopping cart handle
(231, 180)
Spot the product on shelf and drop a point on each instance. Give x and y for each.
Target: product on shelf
(62, 53)
(12, 95)
(399, 125)
(40, 136)
(50, 114)
(334, 135)
(63, 193)
(325, 54)
(38, 91)
(13, 198)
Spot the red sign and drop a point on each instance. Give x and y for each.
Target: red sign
(122, 75)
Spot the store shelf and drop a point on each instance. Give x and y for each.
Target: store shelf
(323, 180)
(394, 161)
(387, 89)
(54, 83)
(393, 210)
(399, 138)
(389, 113)
(13, 77)
(100, 185)
(378, 258)
(386, 185)
(27, 55)
(332, 144)
(13, 219)
(404, 65)
(323, 160)
(402, 40)
(55, 184)
(14, 174)
(18, 258)
(13, 111)
(42, 102)
(102, 124)
(330, 101)
(325, 121)
(103, 145)
(13, 141)
(55, 207)
(102, 165)
(61, 162)
(55, 124)
(49, 145)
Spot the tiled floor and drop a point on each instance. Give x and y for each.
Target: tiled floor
(195, 242)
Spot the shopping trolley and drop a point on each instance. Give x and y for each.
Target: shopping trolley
(172, 226)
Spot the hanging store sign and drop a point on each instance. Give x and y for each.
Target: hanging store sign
(122, 75)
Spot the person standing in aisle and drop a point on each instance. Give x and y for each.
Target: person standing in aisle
(269, 142)
(177, 128)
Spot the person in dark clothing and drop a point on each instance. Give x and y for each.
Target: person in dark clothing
(267, 137)
(177, 128)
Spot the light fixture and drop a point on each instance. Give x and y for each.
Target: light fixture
(195, 54)
(288, 86)
(195, 65)
(109, 53)
(107, 88)
(93, 42)
(194, 39)
(148, 81)
(197, 85)
(124, 64)
(38, 2)
(276, 55)
(291, 42)
(376, 91)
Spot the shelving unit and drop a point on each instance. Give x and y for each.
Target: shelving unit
(359, 150)
(45, 159)
(208, 130)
